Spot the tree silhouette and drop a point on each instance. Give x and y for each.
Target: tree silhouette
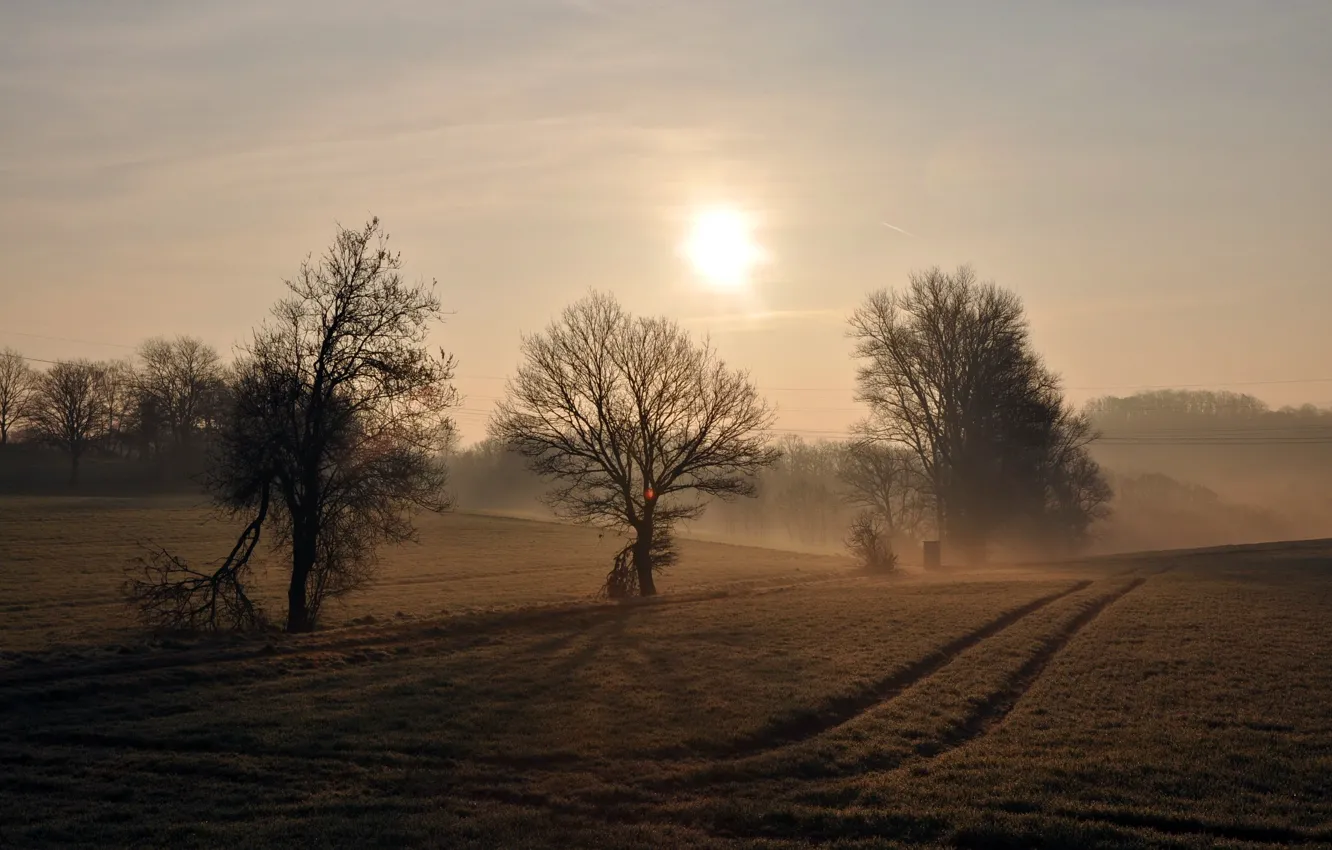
(334, 432)
(637, 424)
(181, 382)
(18, 383)
(886, 480)
(69, 409)
(949, 372)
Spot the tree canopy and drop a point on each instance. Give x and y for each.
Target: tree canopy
(336, 426)
(948, 371)
(636, 423)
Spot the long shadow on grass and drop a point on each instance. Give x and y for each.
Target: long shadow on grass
(211, 653)
(839, 710)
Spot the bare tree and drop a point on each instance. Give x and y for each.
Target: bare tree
(803, 488)
(887, 481)
(870, 542)
(637, 423)
(69, 409)
(948, 371)
(119, 404)
(335, 428)
(18, 384)
(179, 380)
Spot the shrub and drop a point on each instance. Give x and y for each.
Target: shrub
(870, 543)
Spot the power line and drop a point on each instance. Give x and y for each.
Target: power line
(1208, 385)
(66, 339)
(1227, 431)
(1180, 386)
(1216, 441)
(1318, 435)
(1177, 386)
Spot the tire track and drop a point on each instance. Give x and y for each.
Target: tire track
(843, 709)
(997, 706)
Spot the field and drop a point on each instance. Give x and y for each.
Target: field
(62, 561)
(477, 697)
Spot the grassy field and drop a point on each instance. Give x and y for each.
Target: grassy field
(62, 562)
(765, 700)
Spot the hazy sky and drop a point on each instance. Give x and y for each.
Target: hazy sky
(1154, 178)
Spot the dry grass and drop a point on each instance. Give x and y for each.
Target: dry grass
(1161, 701)
(62, 561)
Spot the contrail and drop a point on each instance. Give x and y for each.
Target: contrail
(899, 230)
(733, 321)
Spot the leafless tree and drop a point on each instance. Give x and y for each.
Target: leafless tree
(948, 371)
(1193, 405)
(870, 542)
(336, 424)
(119, 404)
(803, 488)
(69, 409)
(180, 381)
(637, 423)
(887, 481)
(18, 384)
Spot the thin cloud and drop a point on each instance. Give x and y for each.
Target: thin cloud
(755, 321)
(899, 230)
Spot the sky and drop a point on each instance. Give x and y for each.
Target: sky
(1152, 178)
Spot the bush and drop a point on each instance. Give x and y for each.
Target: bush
(870, 543)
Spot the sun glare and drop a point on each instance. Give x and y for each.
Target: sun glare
(721, 247)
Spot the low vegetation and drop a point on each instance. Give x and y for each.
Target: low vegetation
(870, 542)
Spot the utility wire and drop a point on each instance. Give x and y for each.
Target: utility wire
(1179, 386)
(67, 339)
(1299, 434)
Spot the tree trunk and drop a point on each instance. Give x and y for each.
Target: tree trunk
(73, 469)
(302, 562)
(939, 516)
(643, 559)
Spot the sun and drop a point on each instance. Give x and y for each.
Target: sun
(721, 247)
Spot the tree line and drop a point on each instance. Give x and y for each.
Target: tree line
(331, 427)
(158, 406)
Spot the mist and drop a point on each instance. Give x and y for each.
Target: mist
(1189, 469)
